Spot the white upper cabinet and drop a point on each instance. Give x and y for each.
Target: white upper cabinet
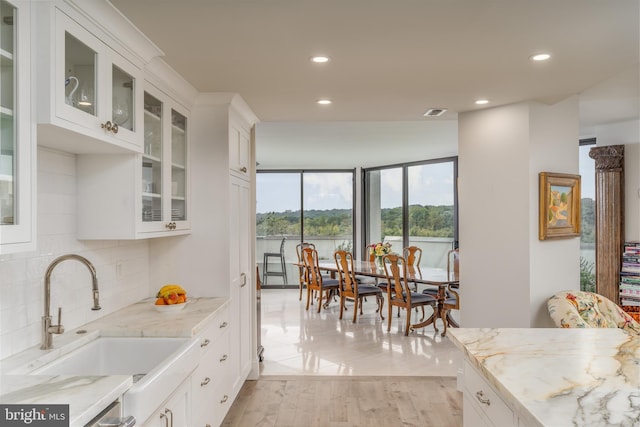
(17, 143)
(239, 147)
(90, 88)
(137, 196)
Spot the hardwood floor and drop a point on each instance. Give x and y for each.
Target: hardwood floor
(320, 371)
(322, 401)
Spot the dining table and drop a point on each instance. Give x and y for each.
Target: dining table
(425, 276)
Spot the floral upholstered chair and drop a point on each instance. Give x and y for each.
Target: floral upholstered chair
(579, 309)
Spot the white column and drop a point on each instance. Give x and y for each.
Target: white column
(506, 273)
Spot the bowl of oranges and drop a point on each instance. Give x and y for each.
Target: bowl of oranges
(170, 298)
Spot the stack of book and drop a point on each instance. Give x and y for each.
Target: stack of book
(630, 276)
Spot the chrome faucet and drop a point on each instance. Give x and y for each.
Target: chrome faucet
(47, 328)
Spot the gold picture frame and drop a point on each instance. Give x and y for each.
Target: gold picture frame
(559, 205)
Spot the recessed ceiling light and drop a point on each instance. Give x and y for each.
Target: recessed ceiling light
(482, 101)
(320, 59)
(540, 57)
(324, 101)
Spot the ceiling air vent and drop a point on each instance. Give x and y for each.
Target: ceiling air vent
(435, 112)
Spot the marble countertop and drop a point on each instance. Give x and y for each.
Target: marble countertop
(88, 395)
(559, 377)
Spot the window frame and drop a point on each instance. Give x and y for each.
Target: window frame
(301, 173)
(405, 197)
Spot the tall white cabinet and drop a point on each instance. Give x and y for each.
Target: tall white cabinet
(242, 274)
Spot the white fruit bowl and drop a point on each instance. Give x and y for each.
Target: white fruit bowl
(170, 308)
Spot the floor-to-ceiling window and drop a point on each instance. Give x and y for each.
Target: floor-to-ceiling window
(413, 205)
(588, 220)
(309, 206)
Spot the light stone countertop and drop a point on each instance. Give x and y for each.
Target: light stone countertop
(559, 377)
(89, 395)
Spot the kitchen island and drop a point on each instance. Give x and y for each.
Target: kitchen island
(549, 377)
(89, 395)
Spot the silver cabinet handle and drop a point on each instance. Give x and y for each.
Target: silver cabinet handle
(223, 325)
(171, 414)
(481, 399)
(223, 358)
(244, 279)
(205, 343)
(205, 382)
(166, 420)
(224, 399)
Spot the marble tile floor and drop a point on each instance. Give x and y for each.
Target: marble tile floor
(300, 342)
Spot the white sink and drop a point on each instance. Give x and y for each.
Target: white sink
(115, 356)
(159, 366)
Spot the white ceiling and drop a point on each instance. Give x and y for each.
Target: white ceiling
(394, 59)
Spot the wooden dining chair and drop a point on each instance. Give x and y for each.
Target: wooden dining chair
(413, 255)
(314, 280)
(302, 283)
(399, 293)
(452, 298)
(453, 264)
(350, 287)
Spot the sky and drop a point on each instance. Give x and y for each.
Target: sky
(587, 173)
(430, 184)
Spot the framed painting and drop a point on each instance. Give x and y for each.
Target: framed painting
(559, 205)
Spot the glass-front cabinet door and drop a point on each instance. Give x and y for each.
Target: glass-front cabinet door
(80, 64)
(17, 152)
(164, 183)
(152, 161)
(178, 166)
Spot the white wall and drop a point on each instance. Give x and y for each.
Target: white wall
(506, 272)
(493, 197)
(554, 263)
(122, 266)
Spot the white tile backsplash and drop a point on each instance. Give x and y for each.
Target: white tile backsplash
(122, 266)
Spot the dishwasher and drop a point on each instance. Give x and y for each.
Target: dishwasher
(111, 417)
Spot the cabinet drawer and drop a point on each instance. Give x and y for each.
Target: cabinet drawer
(213, 367)
(484, 397)
(211, 385)
(218, 327)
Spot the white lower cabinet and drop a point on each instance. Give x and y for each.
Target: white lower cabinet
(211, 382)
(481, 404)
(205, 397)
(175, 411)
